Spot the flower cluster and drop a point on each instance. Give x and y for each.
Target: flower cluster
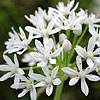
(53, 54)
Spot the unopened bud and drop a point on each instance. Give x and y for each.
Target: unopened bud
(67, 45)
(62, 37)
(78, 29)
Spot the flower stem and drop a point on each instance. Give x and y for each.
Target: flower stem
(27, 68)
(68, 34)
(79, 40)
(58, 91)
(30, 49)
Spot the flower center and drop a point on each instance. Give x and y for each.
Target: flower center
(89, 54)
(98, 36)
(46, 55)
(82, 74)
(29, 84)
(44, 32)
(48, 80)
(14, 69)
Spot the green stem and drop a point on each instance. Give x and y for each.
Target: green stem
(82, 35)
(79, 40)
(68, 34)
(54, 39)
(58, 92)
(30, 49)
(27, 68)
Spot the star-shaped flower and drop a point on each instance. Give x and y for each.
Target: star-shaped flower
(18, 42)
(12, 68)
(49, 80)
(27, 84)
(90, 54)
(45, 54)
(81, 74)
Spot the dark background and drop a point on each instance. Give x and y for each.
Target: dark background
(12, 14)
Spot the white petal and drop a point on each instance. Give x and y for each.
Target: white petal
(32, 30)
(56, 53)
(37, 77)
(97, 51)
(96, 60)
(33, 94)
(46, 70)
(84, 87)
(92, 30)
(54, 31)
(16, 60)
(8, 60)
(52, 61)
(49, 90)
(16, 79)
(91, 44)
(56, 81)
(70, 5)
(79, 63)
(42, 63)
(48, 44)
(39, 46)
(40, 84)
(30, 72)
(20, 71)
(23, 93)
(18, 86)
(4, 68)
(23, 78)
(88, 69)
(73, 81)
(80, 51)
(51, 24)
(93, 77)
(90, 63)
(21, 52)
(54, 72)
(6, 76)
(69, 71)
(36, 56)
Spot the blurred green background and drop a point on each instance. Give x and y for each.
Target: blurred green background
(12, 14)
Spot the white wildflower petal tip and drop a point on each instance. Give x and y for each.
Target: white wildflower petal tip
(84, 87)
(73, 81)
(49, 90)
(57, 81)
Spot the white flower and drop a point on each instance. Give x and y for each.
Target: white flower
(18, 42)
(12, 68)
(92, 18)
(45, 54)
(42, 29)
(90, 54)
(62, 9)
(28, 59)
(95, 34)
(27, 84)
(34, 18)
(65, 10)
(82, 74)
(49, 80)
(73, 23)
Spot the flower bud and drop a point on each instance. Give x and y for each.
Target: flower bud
(62, 37)
(78, 29)
(67, 45)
